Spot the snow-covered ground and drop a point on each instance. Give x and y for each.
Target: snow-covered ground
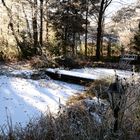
(99, 73)
(22, 99)
(94, 73)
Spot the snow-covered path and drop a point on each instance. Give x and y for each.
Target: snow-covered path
(22, 99)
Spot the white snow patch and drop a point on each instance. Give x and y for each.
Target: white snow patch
(94, 101)
(22, 99)
(27, 73)
(103, 72)
(93, 73)
(96, 117)
(73, 73)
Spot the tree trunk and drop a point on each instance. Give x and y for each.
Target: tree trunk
(35, 29)
(47, 24)
(65, 36)
(73, 44)
(41, 23)
(86, 29)
(109, 49)
(27, 23)
(65, 41)
(18, 18)
(99, 30)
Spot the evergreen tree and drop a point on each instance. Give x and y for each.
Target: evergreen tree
(69, 22)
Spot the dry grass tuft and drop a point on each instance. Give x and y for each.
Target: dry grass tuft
(77, 98)
(99, 88)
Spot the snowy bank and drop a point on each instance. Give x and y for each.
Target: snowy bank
(22, 99)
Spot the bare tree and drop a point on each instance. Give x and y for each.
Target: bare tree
(101, 12)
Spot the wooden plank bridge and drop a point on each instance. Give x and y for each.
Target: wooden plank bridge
(68, 76)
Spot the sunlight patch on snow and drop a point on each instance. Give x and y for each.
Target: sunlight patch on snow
(103, 72)
(73, 73)
(93, 73)
(23, 98)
